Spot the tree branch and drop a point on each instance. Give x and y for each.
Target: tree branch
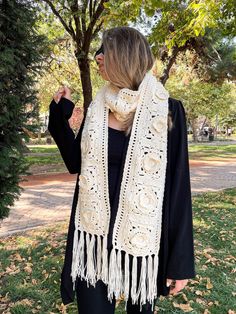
(79, 36)
(97, 29)
(89, 32)
(69, 29)
(97, 14)
(90, 9)
(94, 5)
(83, 16)
(171, 61)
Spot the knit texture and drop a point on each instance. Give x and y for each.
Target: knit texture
(137, 228)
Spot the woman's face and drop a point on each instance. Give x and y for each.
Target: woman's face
(99, 57)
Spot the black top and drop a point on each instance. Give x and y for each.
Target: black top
(176, 255)
(117, 148)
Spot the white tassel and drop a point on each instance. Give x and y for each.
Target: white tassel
(80, 253)
(112, 274)
(104, 275)
(75, 258)
(118, 279)
(99, 257)
(150, 278)
(91, 274)
(142, 290)
(126, 277)
(134, 280)
(155, 271)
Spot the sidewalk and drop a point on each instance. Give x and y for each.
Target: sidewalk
(47, 199)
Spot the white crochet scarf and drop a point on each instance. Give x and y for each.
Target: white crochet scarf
(137, 228)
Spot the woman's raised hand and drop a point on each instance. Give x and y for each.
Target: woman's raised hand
(63, 91)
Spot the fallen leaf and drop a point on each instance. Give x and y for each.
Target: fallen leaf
(184, 297)
(12, 270)
(17, 257)
(34, 281)
(183, 307)
(209, 284)
(28, 269)
(200, 301)
(62, 308)
(25, 302)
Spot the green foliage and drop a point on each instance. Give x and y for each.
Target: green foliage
(61, 65)
(199, 98)
(179, 21)
(21, 50)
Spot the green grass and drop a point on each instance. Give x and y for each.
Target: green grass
(44, 160)
(31, 264)
(49, 155)
(43, 148)
(210, 152)
(44, 155)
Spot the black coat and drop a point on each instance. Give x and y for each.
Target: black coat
(176, 255)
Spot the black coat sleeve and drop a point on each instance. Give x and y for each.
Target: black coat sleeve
(181, 249)
(59, 128)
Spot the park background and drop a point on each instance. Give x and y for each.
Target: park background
(47, 44)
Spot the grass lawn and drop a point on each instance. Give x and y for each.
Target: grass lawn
(31, 264)
(211, 152)
(43, 148)
(49, 155)
(44, 160)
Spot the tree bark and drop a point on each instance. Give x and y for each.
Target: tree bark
(171, 61)
(193, 123)
(86, 82)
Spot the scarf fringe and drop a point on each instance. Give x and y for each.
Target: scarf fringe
(117, 279)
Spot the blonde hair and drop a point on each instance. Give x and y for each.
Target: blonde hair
(127, 58)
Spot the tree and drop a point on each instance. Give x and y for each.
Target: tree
(200, 98)
(82, 21)
(218, 60)
(185, 25)
(21, 49)
(61, 67)
(175, 27)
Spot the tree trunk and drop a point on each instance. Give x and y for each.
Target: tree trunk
(193, 123)
(171, 61)
(86, 82)
(23, 147)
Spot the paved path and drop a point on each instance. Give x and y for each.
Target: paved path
(47, 198)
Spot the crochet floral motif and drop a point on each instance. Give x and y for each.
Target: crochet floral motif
(137, 228)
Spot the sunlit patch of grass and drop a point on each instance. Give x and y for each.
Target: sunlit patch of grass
(43, 148)
(208, 152)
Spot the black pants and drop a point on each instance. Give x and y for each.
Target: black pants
(93, 300)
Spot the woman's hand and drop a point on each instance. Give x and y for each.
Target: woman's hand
(176, 285)
(63, 91)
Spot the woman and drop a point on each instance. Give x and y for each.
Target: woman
(130, 231)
